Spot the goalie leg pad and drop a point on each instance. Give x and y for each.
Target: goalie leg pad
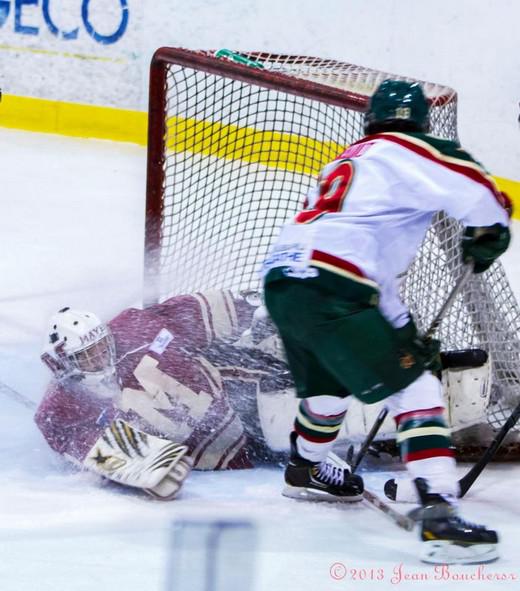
(467, 394)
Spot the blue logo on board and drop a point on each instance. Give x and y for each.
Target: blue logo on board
(27, 13)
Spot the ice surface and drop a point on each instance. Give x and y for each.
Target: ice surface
(71, 226)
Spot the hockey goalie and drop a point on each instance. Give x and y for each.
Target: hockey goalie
(151, 394)
(197, 381)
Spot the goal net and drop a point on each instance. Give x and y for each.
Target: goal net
(234, 144)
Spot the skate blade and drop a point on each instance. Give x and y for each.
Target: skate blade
(445, 552)
(310, 494)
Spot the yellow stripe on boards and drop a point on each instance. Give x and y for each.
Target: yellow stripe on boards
(512, 188)
(73, 119)
(274, 149)
(284, 151)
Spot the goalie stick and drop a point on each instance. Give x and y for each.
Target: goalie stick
(466, 482)
(16, 396)
(468, 271)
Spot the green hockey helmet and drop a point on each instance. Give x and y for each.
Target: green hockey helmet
(397, 105)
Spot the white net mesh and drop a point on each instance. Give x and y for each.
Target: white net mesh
(239, 158)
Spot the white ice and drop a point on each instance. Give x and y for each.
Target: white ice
(71, 229)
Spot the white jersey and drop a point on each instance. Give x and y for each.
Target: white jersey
(371, 208)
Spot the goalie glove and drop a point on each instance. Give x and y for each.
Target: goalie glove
(484, 245)
(134, 458)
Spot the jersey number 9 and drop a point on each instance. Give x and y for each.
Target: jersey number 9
(328, 197)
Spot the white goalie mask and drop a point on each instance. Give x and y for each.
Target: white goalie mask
(80, 345)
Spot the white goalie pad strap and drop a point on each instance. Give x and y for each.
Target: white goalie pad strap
(466, 395)
(134, 458)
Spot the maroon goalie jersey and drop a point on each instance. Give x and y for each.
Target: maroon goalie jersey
(167, 386)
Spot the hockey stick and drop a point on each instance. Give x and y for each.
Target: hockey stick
(463, 279)
(467, 481)
(468, 271)
(368, 440)
(403, 521)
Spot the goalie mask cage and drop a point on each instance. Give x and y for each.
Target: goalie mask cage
(232, 150)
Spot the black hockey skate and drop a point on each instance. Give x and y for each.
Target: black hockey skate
(447, 538)
(319, 481)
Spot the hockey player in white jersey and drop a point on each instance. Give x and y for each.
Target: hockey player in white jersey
(331, 288)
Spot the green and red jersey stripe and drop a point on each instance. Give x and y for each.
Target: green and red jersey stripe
(468, 168)
(323, 257)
